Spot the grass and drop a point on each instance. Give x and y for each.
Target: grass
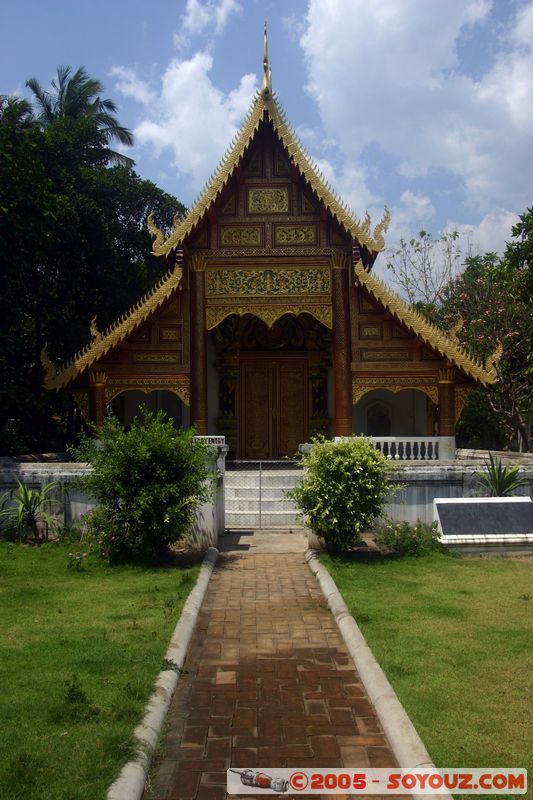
(80, 652)
(453, 636)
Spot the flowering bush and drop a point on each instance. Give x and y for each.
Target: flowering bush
(343, 488)
(147, 481)
(408, 540)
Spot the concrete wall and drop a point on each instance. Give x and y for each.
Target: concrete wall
(72, 503)
(422, 484)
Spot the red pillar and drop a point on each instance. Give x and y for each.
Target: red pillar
(342, 376)
(446, 402)
(97, 382)
(198, 345)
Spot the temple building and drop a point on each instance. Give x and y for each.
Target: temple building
(270, 326)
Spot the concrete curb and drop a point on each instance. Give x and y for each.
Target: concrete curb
(130, 783)
(405, 742)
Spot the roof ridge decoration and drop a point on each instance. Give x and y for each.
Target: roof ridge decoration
(439, 340)
(266, 102)
(266, 86)
(56, 377)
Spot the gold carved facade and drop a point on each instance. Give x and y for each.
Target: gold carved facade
(269, 313)
(261, 282)
(178, 385)
(268, 201)
(295, 234)
(268, 293)
(361, 386)
(240, 237)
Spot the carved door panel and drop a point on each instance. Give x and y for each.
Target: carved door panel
(256, 402)
(273, 407)
(291, 411)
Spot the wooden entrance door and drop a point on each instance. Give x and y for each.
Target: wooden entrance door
(273, 406)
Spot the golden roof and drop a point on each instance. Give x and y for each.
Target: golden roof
(266, 106)
(441, 341)
(102, 343)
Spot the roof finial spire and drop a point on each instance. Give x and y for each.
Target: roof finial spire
(266, 86)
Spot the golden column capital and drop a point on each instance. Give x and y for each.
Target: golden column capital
(447, 375)
(338, 261)
(97, 378)
(197, 263)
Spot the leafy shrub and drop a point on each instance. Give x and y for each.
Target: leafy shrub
(148, 482)
(500, 480)
(408, 540)
(343, 488)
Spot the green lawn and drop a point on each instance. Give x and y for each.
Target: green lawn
(454, 636)
(79, 654)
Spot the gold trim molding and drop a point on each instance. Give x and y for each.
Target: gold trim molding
(178, 386)
(461, 396)
(385, 355)
(269, 314)
(360, 387)
(157, 358)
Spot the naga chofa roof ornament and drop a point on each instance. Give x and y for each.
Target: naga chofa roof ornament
(265, 105)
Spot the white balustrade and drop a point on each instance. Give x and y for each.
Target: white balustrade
(413, 448)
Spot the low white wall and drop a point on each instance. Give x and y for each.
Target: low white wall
(423, 483)
(72, 503)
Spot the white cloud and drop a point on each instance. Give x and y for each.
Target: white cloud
(201, 17)
(414, 212)
(491, 234)
(191, 117)
(131, 85)
(388, 74)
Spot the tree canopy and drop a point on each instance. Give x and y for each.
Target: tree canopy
(493, 296)
(77, 96)
(75, 246)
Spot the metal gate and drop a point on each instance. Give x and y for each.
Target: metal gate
(255, 495)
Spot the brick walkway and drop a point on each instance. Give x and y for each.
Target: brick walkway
(268, 683)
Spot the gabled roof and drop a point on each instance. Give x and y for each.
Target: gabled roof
(439, 340)
(102, 343)
(265, 106)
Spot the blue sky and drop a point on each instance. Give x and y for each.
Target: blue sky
(422, 105)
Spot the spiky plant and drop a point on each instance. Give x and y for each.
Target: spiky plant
(501, 480)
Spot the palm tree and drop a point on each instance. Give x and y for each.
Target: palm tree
(77, 96)
(16, 111)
